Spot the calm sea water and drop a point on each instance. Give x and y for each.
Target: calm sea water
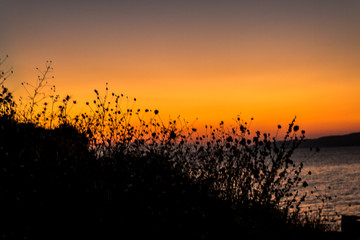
(336, 173)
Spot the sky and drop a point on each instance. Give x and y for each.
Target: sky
(206, 60)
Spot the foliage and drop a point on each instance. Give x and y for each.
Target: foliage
(7, 104)
(117, 167)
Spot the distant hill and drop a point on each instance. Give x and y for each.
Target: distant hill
(352, 139)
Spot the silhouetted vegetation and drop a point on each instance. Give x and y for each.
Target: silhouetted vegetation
(116, 170)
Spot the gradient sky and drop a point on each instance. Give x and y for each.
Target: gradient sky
(210, 60)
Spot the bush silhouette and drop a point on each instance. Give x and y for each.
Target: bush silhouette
(102, 174)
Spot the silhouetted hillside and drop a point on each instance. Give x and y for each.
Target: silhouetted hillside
(52, 184)
(97, 176)
(352, 139)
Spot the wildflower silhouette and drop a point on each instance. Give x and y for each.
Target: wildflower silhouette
(116, 170)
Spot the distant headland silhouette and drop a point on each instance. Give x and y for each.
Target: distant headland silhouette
(352, 139)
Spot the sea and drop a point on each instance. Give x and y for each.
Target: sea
(333, 182)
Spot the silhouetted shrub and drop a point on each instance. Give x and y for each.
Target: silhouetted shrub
(115, 170)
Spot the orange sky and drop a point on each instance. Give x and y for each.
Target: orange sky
(210, 60)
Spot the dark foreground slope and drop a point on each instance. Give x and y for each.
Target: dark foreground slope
(52, 187)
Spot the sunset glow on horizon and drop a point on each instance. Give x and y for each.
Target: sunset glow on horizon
(210, 60)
